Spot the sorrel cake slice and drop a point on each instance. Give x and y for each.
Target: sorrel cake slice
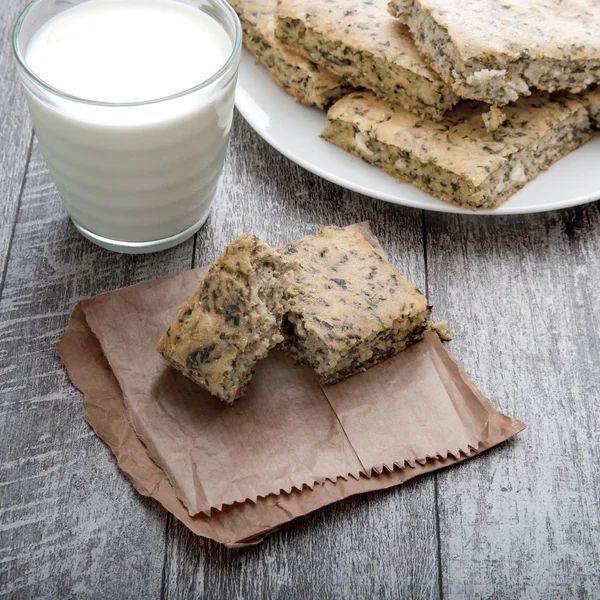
(361, 42)
(457, 159)
(349, 308)
(232, 320)
(496, 51)
(302, 79)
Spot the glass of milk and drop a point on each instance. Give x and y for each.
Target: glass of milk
(132, 102)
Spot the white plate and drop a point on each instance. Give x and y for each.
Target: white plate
(294, 130)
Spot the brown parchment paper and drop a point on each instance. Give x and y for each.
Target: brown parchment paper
(241, 523)
(287, 432)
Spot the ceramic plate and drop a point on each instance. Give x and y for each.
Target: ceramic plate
(294, 130)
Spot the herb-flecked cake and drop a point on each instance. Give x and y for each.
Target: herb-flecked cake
(349, 309)
(232, 320)
(302, 79)
(495, 51)
(458, 159)
(359, 41)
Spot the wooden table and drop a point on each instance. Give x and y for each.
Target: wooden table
(521, 294)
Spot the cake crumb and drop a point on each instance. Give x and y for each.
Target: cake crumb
(494, 118)
(442, 329)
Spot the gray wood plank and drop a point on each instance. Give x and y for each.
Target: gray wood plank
(521, 296)
(16, 132)
(380, 545)
(71, 525)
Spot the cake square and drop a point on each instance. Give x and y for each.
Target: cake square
(361, 42)
(496, 51)
(232, 320)
(349, 309)
(458, 159)
(305, 81)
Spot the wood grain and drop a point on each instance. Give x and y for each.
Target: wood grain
(70, 523)
(380, 545)
(521, 295)
(16, 132)
(377, 546)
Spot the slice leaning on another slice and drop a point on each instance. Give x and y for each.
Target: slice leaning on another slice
(232, 320)
(308, 83)
(457, 159)
(350, 309)
(359, 41)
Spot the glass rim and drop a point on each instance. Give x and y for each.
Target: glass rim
(237, 44)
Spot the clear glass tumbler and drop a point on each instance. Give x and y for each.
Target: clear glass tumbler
(134, 177)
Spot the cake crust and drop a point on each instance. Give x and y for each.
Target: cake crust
(361, 42)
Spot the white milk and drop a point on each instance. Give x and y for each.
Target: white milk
(143, 172)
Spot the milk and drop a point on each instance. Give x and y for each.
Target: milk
(131, 168)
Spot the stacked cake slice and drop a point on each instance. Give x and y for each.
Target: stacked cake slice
(498, 51)
(301, 78)
(362, 43)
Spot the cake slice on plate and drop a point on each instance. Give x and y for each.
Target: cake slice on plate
(496, 51)
(361, 42)
(458, 159)
(301, 78)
